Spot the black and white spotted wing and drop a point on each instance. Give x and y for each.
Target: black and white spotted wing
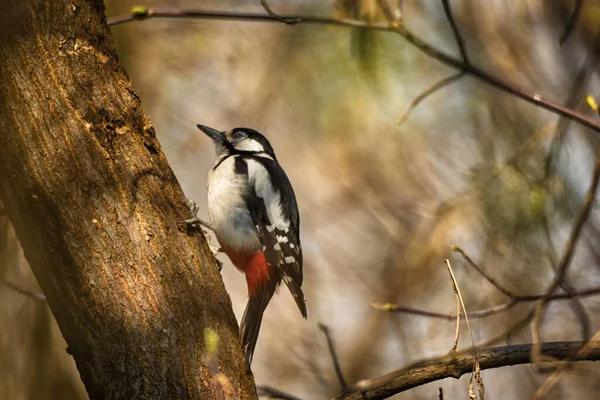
(272, 204)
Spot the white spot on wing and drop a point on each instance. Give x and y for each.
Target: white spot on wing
(277, 247)
(292, 245)
(289, 260)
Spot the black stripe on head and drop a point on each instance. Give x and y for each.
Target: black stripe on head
(258, 137)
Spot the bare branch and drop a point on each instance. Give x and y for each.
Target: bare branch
(26, 292)
(423, 372)
(476, 368)
(566, 257)
(389, 14)
(556, 375)
(488, 311)
(456, 31)
(415, 40)
(334, 358)
(288, 21)
(265, 390)
(482, 272)
(570, 27)
(434, 88)
(450, 317)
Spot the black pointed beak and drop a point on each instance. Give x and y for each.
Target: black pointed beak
(215, 135)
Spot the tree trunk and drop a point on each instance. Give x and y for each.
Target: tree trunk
(96, 208)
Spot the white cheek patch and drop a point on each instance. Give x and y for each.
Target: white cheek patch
(259, 178)
(249, 145)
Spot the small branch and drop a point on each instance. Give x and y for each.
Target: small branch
(476, 373)
(265, 390)
(566, 257)
(488, 311)
(440, 394)
(29, 293)
(334, 358)
(450, 317)
(288, 21)
(423, 372)
(434, 88)
(556, 375)
(482, 272)
(394, 20)
(457, 35)
(570, 27)
(457, 332)
(413, 39)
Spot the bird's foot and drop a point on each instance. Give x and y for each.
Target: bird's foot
(196, 223)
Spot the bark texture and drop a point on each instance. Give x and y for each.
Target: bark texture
(96, 208)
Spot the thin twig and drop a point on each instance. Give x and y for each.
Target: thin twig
(570, 27)
(456, 31)
(457, 333)
(334, 358)
(462, 303)
(423, 372)
(415, 40)
(476, 367)
(450, 317)
(566, 257)
(389, 14)
(440, 394)
(265, 390)
(488, 311)
(434, 88)
(576, 305)
(556, 375)
(29, 293)
(482, 272)
(288, 21)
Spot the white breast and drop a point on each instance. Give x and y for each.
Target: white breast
(229, 215)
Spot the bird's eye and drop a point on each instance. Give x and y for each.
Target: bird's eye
(238, 135)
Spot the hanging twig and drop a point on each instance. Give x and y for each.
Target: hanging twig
(459, 39)
(570, 27)
(434, 88)
(334, 358)
(288, 21)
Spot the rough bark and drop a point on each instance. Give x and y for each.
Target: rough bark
(96, 208)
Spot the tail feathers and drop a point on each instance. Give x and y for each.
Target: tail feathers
(297, 294)
(252, 319)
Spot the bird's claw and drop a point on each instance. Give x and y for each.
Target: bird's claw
(197, 223)
(194, 221)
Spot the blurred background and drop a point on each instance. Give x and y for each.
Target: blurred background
(381, 203)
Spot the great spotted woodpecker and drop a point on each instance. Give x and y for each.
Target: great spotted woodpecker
(254, 215)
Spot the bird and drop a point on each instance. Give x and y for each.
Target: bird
(254, 214)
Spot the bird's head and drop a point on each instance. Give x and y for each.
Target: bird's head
(238, 140)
